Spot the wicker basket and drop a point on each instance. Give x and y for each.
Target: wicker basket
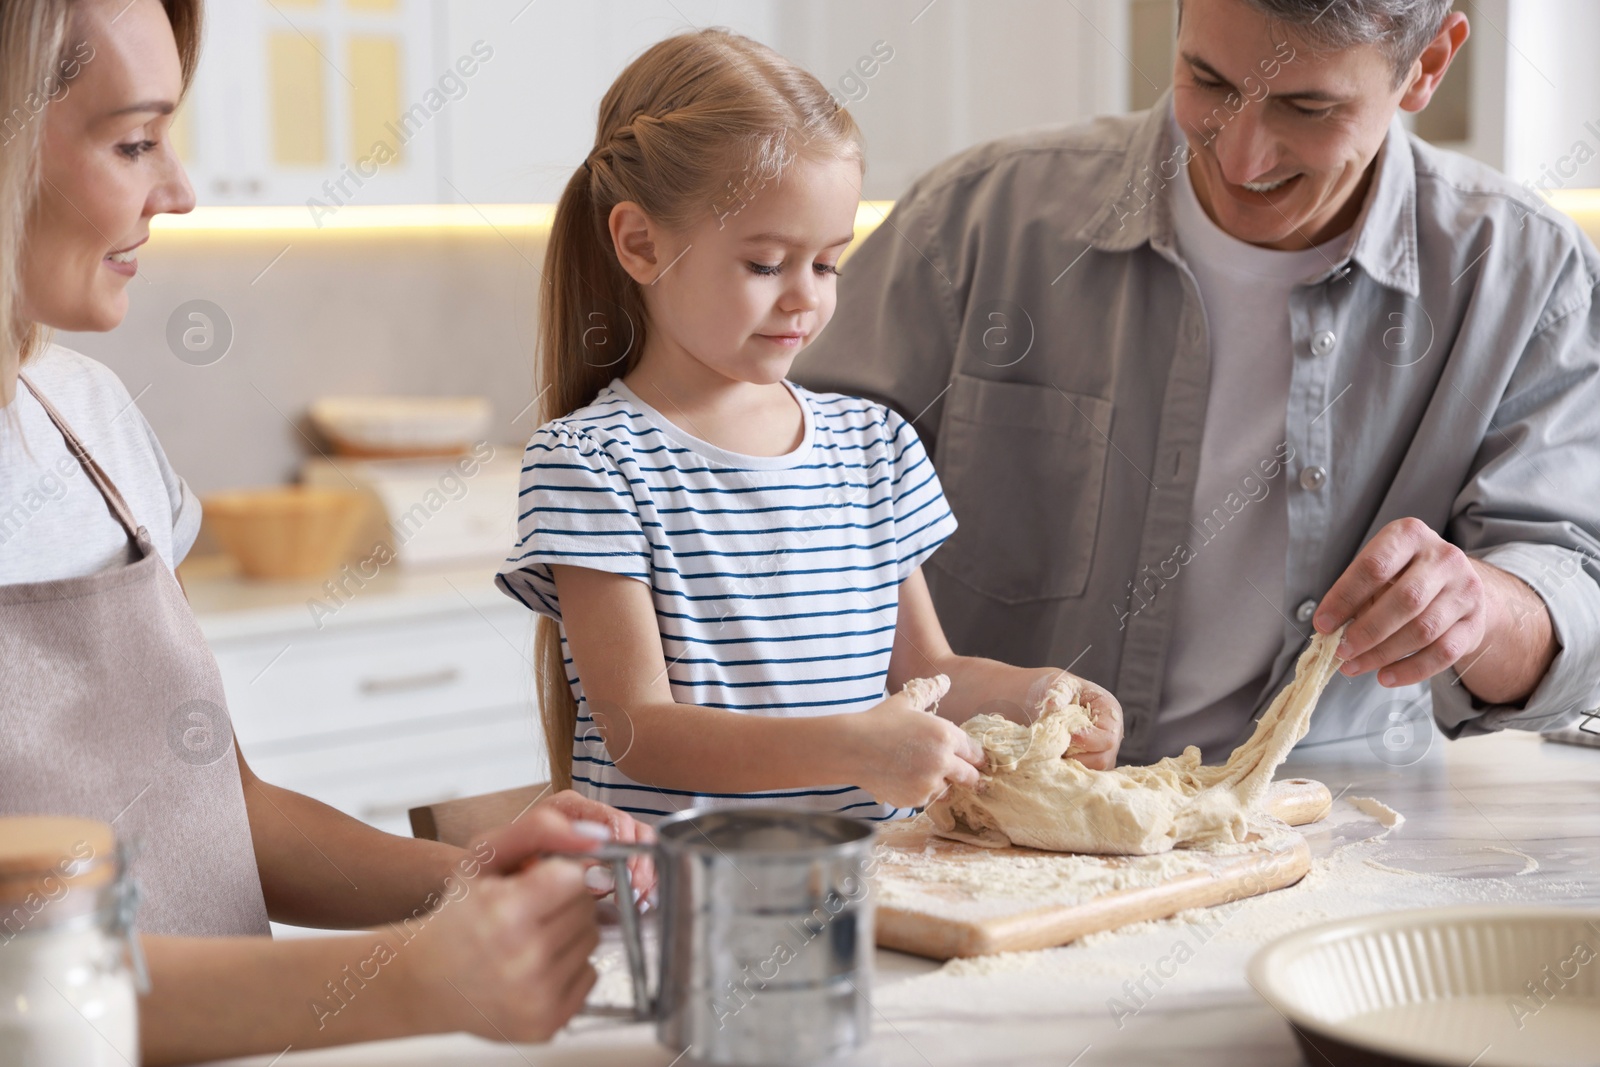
(286, 531)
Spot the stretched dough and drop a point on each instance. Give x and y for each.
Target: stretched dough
(925, 693)
(1029, 795)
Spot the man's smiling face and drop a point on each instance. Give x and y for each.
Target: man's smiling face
(1289, 168)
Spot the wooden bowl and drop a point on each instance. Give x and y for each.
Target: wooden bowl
(286, 531)
(401, 427)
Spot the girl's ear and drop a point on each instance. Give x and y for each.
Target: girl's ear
(634, 239)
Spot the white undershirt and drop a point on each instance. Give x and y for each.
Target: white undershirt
(1226, 633)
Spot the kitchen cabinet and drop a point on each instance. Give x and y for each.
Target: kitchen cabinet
(291, 95)
(316, 101)
(324, 103)
(529, 119)
(923, 80)
(384, 717)
(494, 101)
(382, 695)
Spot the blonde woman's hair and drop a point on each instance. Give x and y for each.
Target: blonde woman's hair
(39, 57)
(692, 130)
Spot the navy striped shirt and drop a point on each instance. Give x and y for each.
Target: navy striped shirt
(775, 578)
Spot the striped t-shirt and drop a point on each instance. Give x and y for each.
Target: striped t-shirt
(775, 578)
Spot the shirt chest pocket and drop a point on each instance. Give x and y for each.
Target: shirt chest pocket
(1023, 467)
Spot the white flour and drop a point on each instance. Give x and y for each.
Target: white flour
(1201, 954)
(995, 882)
(1386, 869)
(978, 884)
(1529, 864)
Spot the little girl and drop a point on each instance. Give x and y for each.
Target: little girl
(728, 565)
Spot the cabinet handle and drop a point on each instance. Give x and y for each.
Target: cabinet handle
(408, 682)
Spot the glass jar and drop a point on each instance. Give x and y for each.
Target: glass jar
(70, 969)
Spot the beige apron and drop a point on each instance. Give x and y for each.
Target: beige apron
(111, 708)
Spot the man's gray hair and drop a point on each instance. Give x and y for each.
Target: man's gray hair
(1400, 29)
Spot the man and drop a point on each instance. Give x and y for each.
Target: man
(1201, 379)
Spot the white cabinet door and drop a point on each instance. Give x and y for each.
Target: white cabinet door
(529, 119)
(311, 102)
(376, 717)
(380, 776)
(372, 676)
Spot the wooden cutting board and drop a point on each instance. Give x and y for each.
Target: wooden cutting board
(943, 899)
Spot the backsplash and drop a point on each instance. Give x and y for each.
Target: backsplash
(313, 313)
(441, 311)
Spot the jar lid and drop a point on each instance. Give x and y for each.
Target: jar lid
(44, 857)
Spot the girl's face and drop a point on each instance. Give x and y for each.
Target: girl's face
(742, 291)
(106, 166)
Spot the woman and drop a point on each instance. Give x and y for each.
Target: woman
(102, 665)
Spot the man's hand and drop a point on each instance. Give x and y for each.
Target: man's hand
(1418, 605)
(1415, 604)
(1096, 747)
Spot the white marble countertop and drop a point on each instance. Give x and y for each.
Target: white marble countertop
(1501, 819)
(228, 605)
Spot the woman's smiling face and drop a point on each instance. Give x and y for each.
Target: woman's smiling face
(106, 166)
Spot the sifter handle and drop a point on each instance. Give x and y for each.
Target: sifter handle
(616, 855)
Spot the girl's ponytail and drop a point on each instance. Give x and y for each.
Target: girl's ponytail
(591, 317)
(591, 326)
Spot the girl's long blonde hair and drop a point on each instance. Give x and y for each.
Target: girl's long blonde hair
(691, 131)
(36, 65)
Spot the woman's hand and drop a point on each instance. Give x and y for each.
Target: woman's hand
(623, 828)
(905, 756)
(1095, 747)
(504, 953)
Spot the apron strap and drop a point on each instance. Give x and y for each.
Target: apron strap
(97, 475)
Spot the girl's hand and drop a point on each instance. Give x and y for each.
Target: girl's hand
(904, 755)
(1095, 747)
(505, 956)
(622, 828)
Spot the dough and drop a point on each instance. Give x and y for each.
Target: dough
(1378, 810)
(925, 693)
(1029, 795)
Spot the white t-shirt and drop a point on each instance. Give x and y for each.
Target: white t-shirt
(1226, 633)
(53, 521)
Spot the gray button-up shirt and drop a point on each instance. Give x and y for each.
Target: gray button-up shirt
(1026, 305)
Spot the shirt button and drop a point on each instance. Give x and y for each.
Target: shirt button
(1306, 609)
(1322, 342)
(1313, 477)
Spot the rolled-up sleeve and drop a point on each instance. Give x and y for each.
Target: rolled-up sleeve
(1533, 510)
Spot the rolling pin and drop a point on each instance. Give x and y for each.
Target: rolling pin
(1298, 801)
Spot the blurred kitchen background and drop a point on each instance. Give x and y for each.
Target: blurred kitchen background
(292, 94)
(375, 177)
